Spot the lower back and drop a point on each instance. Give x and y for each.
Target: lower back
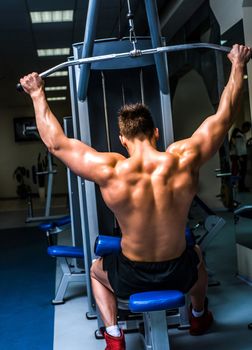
(153, 241)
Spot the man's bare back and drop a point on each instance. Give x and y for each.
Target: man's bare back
(150, 194)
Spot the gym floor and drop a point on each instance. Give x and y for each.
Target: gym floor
(230, 301)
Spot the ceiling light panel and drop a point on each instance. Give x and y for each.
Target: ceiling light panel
(55, 88)
(51, 16)
(62, 73)
(58, 98)
(54, 52)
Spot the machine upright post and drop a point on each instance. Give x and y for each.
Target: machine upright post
(162, 72)
(88, 44)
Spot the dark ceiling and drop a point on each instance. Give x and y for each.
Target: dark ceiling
(20, 39)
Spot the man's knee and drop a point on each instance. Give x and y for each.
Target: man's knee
(97, 273)
(202, 272)
(201, 263)
(96, 268)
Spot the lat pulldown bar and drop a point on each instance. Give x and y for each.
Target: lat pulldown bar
(133, 54)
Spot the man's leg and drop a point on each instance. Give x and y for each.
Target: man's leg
(103, 293)
(201, 318)
(106, 302)
(199, 289)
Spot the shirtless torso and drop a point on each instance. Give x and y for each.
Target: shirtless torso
(150, 194)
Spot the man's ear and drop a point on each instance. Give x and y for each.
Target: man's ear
(156, 133)
(122, 140)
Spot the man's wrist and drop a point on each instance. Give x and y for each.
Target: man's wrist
(239, 64)
(37, 93)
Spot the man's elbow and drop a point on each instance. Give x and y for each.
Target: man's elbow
(54, 144)
(53, 148)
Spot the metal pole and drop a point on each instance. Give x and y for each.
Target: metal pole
(155, 32)
(141, 85)
(88, 44)
(49, 185)
(123, 95)
(106, 112)
(108, 138)
(82, 185)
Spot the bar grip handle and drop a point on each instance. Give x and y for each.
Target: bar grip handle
(19, 88)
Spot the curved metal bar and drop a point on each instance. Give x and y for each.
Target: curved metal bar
(133, 54)
(245, 211)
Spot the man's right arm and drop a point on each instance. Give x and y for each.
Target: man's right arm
(208, 138)
(79, 157)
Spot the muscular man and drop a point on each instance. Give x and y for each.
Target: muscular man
(150, 194)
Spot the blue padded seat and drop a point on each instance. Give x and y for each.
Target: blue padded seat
(107, 244)
(65, 251)
(156, 300)
(46, 226)
(112, 244)
(65, 220)
(153, 305)
(190, 239)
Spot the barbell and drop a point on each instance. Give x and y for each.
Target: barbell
(133, 54)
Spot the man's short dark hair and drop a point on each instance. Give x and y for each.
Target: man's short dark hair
(135, 121)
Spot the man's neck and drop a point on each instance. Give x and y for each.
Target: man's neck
(140, 147)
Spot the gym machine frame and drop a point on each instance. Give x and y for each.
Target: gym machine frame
(81, 126)
(89, 221)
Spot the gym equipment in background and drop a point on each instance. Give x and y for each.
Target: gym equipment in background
(65, 255)
(39, 176)
(205, 226)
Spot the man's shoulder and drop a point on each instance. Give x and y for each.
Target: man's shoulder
(182, 148)
(186, 152)
(112, 158)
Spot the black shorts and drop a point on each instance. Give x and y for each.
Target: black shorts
(128, 277)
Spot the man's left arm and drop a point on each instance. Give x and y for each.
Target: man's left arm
(208, 138)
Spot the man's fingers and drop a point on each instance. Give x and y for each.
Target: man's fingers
(29, 82)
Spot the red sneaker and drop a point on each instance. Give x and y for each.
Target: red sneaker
(115, 343)
(199, 325)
